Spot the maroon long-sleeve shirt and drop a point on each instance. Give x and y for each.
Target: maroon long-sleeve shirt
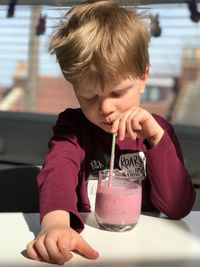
(79, 149)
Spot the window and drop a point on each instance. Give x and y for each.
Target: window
(30, 78)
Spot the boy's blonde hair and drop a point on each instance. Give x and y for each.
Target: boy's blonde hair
(101, 42)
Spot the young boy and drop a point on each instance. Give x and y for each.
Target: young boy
(102, 49)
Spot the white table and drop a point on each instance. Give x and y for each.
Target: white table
(152, 242)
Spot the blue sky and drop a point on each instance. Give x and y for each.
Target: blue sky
(165, 51)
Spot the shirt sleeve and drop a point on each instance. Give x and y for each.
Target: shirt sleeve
(172, 192)
(58, 178)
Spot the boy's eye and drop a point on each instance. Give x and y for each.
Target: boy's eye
(89, 99)
(118, 94)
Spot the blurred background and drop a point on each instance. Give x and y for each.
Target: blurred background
(33, 91)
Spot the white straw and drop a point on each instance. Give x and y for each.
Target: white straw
(112, 157)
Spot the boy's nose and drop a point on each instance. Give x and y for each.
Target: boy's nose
(106, 107)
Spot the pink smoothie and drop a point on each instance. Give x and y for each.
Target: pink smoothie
(118, 205)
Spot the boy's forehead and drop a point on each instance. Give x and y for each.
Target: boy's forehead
(90, 88)
(87, 89)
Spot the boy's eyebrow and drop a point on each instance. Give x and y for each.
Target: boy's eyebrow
(124, 88)
(85, 95)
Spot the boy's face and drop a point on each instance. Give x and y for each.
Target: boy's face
(99, 106)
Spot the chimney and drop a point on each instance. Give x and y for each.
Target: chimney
(191, 64)
(20, 74)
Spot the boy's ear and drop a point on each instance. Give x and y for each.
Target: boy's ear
(146, 75)
(144, 80)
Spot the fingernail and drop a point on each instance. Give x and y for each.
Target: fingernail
(113, 130)
(121, 138)
(96, 253)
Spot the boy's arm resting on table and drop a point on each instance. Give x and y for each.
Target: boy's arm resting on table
(172, 191)
(58, 182)
(59, 193)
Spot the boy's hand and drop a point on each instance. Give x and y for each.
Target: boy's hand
(56, 245)
(138, 123)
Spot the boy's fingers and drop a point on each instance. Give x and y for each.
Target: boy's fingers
(32, 251)
(115, 126)
(84, 249)
(65, 249)
(55, 254)
(41, 248)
